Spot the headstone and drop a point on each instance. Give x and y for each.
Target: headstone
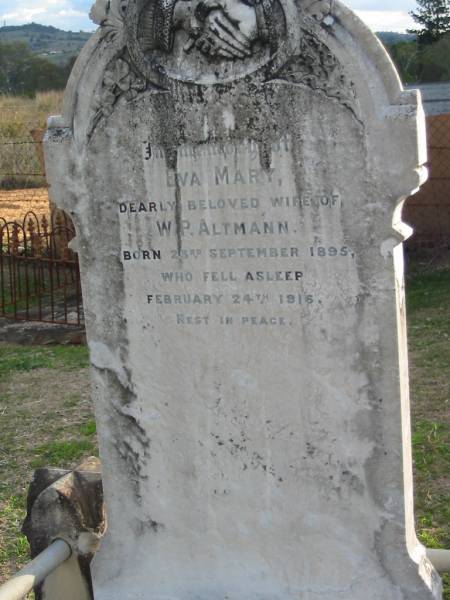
(235, 170)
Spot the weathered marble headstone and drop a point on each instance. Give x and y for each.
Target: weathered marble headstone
(235, 170)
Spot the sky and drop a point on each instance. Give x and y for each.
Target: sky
(380, 15)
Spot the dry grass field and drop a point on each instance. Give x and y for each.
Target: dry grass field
(19, 115)
(14, 204)
(22, 185)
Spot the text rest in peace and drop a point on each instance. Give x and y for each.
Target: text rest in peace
(205, 320)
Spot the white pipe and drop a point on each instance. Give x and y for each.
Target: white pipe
(36, 571)
(440, 559)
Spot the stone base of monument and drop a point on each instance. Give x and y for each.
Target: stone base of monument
(66, 505)
(36, 333)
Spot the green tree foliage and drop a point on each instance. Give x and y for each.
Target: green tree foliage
(25, 73)
(420, 63)
(433, 17)
(435, 61)
(407, 60)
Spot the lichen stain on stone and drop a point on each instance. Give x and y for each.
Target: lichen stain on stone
(251, 459)
(141, 526)
(374, 475)
(352, 481)
(178, 217)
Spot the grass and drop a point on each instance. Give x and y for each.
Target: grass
(54, 454)
(28, 358)
(13, 548)
(428, 303)
(18, 114)
(47, 418)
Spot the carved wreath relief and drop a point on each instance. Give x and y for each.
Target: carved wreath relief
(213, 41)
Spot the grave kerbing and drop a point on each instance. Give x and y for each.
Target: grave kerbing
(235, 171)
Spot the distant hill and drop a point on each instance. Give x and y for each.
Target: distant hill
(392, 37)
(51, 43)
(60, 46)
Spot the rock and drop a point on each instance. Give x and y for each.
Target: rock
(66, 505)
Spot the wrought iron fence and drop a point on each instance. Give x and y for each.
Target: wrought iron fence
(39, 273)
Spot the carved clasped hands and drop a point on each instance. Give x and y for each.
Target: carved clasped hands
(222, 28)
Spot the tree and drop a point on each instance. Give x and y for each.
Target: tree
(406, 57)
(435, 61)
(434, 18)
(422, 63)
(22, 72)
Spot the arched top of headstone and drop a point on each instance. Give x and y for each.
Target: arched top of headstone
(145, 47)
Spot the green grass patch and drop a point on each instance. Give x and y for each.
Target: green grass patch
(27, 358)
(431, 443)
(46, 420)
(60, 453)
(428, 309)
(14, 548)
(428, 289)
(89, 428)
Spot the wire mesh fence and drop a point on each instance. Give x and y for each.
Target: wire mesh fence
(428, 211)
(22, 162)
(22, 126)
